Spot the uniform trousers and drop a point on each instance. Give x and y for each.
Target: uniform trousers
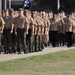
(73, 38)
(54, 38)
(69, 39)
(30, 41)
(61, 39)
(7, 40)
(14, 42)
(0, 43)
(36, 43)
(21, 40)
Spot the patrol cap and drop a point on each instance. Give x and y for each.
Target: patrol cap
(6, 10)
(11, 10)
(16, 12)
(39, 14)
(21, 9)
(34, 12)
(27, 11)
(43, 13)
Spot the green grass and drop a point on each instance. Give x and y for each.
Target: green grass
(60, 63)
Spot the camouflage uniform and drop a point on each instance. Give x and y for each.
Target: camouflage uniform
(69, 31)
(20, 26)
(8, 29)
(1, 26)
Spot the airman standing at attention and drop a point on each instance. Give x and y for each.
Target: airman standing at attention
(29, 31)
(73, 36)
(8, 30)
(12, 15)
(51, 20)
(54, 31)
(1, 28)
(34, 16)
(47, 29)
(62, 30)
(69, 31)
(42, 31)
(39, 31)
(3, 15)
(20, 31)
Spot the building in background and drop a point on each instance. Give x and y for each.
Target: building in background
(7, 4)
(66, 5)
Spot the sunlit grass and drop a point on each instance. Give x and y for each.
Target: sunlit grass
(60, 63)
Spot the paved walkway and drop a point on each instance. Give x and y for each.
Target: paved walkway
(7, 57)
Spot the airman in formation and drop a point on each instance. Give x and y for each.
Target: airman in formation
(26, 31)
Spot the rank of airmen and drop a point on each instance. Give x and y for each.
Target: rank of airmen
(26, 31)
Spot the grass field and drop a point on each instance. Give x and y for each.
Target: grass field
(60, 63)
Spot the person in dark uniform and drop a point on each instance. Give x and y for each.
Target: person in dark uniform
(20, 31)
(61, 30)
(73, 36)
(3, 15)
(69, 31)
(63, 19)
(12, 15)
(51, 20)
(1, 29)
(54, 31)
(8, 30)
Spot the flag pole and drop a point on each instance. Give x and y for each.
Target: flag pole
(58, 5)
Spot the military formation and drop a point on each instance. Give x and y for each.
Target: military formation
(26, 31)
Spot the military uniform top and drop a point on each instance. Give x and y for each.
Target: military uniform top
(51, 20)
(48, 22)
(39, 22)
(65, 20)
(29, 22)
(54, 26)
(8, 22)
(60, 26)
(35, 22)
(15, 20)
(20, 22)
(42, 23)
(1, 22)
(69, 27)
(45, 22)
(73, 21)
